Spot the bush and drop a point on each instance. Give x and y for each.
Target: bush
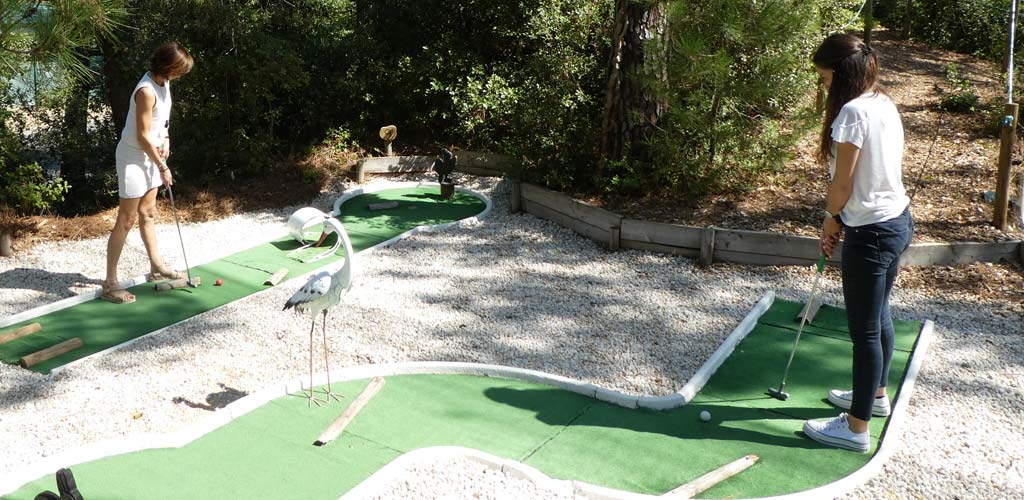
(963, 96)
(737, 72)
(971, 26)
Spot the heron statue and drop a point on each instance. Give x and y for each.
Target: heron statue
(323, 291)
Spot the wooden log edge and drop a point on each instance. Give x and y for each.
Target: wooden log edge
(703, 483)
(37, 357)
(335, 429)
(20, 332)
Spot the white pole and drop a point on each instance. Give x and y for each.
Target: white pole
(1009, 62)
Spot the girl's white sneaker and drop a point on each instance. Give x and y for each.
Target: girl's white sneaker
(844, 400)
(836, 432)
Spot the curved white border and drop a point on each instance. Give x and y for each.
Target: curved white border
(138, 280)
(580, 489)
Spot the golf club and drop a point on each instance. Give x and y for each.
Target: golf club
(174, 209)
(779, 393)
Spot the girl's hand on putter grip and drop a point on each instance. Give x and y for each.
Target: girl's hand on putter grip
(165, 175)
(829, 236)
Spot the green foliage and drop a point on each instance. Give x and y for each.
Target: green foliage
(55, 31)
(737, 71)
(963, 96)
(521, 78)
(269, 78)
(970, 26)
(24, 187)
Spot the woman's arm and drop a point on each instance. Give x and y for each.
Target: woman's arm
(839, 192)
(145, 99)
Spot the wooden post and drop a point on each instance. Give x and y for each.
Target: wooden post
(869, 20)
(20, 332)
(707, 246)
(334, 430)
(712, 478)
(515, 202)
(614, 234)
(50, 352)
(1007, 141)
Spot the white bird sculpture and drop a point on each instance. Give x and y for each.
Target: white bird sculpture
(320, 293)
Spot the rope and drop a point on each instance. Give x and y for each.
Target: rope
(855, 17)
(928, 158)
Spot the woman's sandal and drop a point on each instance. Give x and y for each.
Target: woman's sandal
(155, 275)
(117, 295)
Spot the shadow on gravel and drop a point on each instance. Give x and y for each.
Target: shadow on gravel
(36, 279)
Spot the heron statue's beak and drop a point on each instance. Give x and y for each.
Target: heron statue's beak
(323, 237)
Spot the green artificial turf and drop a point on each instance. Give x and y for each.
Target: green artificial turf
(268, 453)
(101, 325)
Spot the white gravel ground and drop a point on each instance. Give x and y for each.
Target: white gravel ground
(513, 290)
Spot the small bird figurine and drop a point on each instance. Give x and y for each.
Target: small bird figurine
(320, 293)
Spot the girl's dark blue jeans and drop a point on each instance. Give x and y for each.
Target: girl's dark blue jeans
(871, 260)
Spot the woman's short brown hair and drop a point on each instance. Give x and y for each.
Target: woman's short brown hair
(170, 59)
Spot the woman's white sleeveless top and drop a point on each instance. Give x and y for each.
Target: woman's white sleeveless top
(161, 114)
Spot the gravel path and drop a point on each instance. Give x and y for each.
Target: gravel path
(512, 290)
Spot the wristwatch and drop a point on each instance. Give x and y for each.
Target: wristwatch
(830, 215)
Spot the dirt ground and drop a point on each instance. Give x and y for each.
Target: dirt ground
(948, 165)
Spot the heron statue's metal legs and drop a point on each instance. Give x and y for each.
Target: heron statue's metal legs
(312, 396)
(327, 363)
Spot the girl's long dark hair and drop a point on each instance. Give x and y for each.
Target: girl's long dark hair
(854, 66)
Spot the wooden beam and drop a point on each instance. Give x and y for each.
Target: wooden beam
(515, 202)
(927, 254)
(590, 231)
(585, 212)
(335, 429)
(20, 332)
(659, 233)
(50, 353)
(707, 247)
(705, 482)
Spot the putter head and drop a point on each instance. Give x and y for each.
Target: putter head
(195, 282)
(778, 394)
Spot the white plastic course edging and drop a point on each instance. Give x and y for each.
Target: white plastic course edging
(394, 469)
(138, 280)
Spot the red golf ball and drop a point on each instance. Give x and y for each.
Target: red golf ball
(219, 282)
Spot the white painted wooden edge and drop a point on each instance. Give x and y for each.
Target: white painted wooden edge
(697, 381)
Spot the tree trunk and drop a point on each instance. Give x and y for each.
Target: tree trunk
(119, 87)
(638, 55)
(6, 247)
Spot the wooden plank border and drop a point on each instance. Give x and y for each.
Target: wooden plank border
(733, 245)
(593, 222)
(470, 162)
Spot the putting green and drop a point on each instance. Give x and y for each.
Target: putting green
(102, 325)
(268, 453)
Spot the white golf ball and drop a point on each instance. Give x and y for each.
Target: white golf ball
(705, 416)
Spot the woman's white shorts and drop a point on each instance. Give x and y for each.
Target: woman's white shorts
(135, 173)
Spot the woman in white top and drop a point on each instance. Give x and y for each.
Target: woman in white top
(141, 167)
(862, 142)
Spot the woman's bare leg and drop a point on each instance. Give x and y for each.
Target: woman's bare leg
(147, 228)
(126, 211)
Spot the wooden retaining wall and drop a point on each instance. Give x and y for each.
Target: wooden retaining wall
(726, 245)
(470, 162)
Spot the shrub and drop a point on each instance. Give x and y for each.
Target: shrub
(963, 96)
(737, 74)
